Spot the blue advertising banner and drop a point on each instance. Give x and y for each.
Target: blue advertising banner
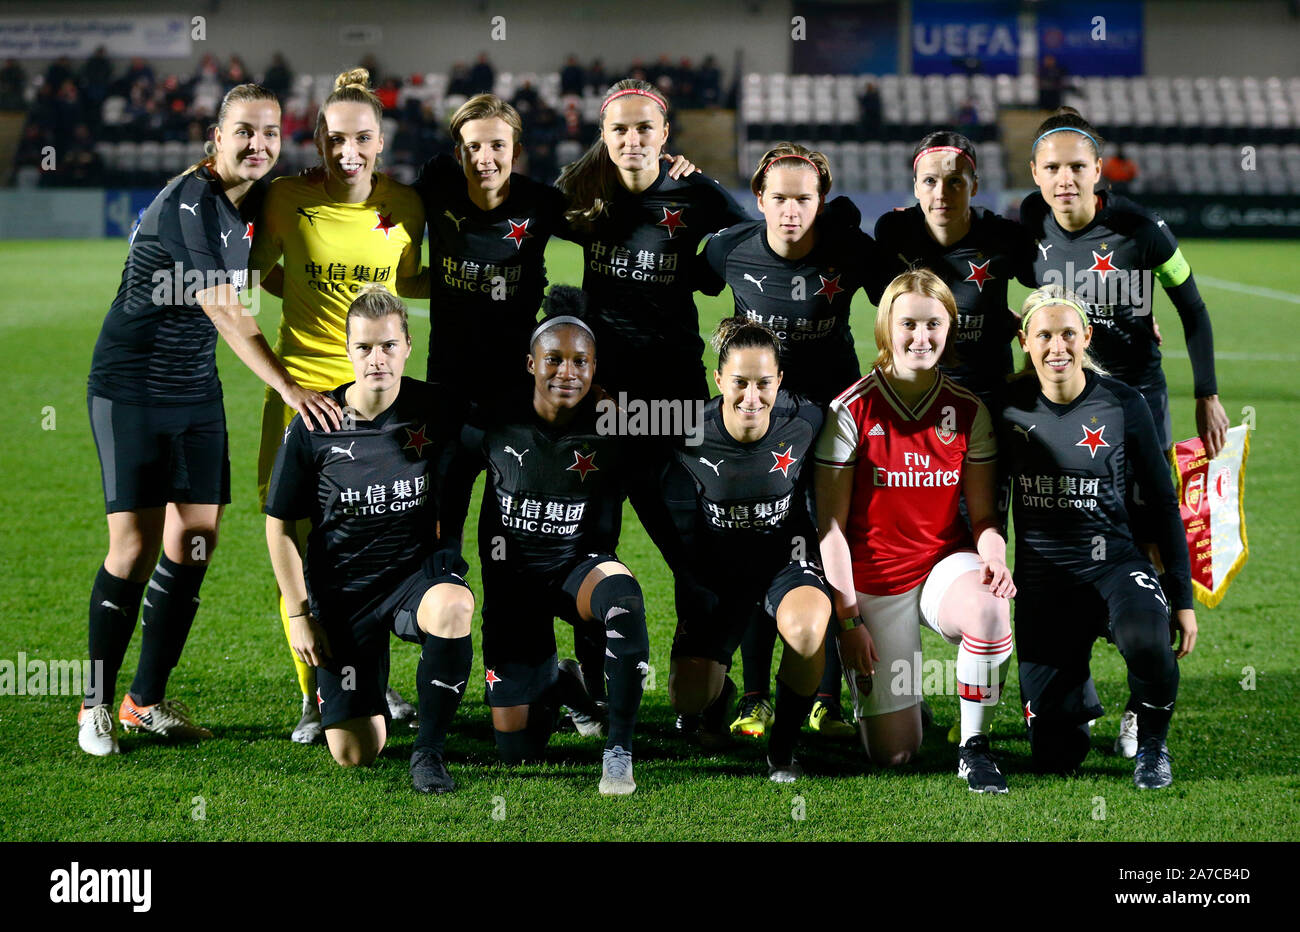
(1102, 37)
(123, 206)
(952, 37)
(846, 39)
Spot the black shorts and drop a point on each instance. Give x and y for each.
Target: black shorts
(1156, 394)
(519, 612)
(1056, 626)
(151, 455)
(711, 622)
(353, 681)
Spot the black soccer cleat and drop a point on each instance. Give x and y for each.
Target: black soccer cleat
(1154, 770)
(977, 764)
(429, 773)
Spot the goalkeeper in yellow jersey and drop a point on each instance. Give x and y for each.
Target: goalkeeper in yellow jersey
(333, 233)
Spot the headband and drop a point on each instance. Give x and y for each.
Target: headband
(961, 152)
(791, 155)
(1048, 302)
(663, 104)
(1066, 129)
(557, 321)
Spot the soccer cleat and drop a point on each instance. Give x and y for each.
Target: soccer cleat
(586, 714)
(754, 716)
(784, 773)
(399, 710)
(1126, 744)
(95, 731)
(1154, 769)
(429, 773)
(977, 765)
(167, 718)
(827, 718)
(308, 730)
(616, 773)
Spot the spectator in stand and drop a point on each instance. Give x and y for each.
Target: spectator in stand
(572, 77)
(13, 80)
(1051, 81)
(460, 83)
(482, 77)
(139, 70)
(387, 94)
(1119, 172)
(526, 100)
(235, 73)
(966, 117)
(68, 112)
(31, 148)
(278, 79)
(596, 76)
(872, 112)
(708, 82)
(687, 83)
(60, 70)
(79, 164)
(371, 64)
(96, 76)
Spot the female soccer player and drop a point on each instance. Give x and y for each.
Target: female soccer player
(975, 252)
(1071, 438)
(158, 419)
(337, 231)
(795, 273)
(747, 540)
(547, 530)
(1105, 248)
(640, 229)
(373, 565)
(899, 450)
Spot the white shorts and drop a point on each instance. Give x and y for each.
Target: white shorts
(894, 623)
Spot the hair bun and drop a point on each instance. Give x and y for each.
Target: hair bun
(356, 77)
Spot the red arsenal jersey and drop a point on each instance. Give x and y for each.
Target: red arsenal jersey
(907, 479)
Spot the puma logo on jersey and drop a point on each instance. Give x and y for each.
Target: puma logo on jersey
(309, 214)
(454, 219)
(1043, 249)
(714, 466)
(191, 208)
(1023, 430)
(518, 456)
(758, 282)
(223, 239)
(876, 431)
(455, 689)
(347, 452)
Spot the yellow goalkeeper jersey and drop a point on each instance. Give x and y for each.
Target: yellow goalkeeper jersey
(330, 251)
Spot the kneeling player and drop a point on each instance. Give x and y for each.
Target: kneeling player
(1071, 438)
(547, 530)
(899, 450)
(372, 561)
(747, 541)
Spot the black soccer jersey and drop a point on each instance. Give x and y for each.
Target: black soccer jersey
(743, 507)
(157, 346)
(487, 275)
(639, 276)
(1067, 466)
(552, 493)
(1107, 264)
(368, 490)
(806, 301)
(977, 269)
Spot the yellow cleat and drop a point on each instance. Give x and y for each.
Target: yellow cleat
(753, 717)
(828, 720)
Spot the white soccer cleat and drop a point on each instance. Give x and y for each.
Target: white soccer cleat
(308, 730)
(1126, 745)
(616, 773)
(399, 710)
(95, 731)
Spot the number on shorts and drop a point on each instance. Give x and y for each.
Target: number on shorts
(1146, 582)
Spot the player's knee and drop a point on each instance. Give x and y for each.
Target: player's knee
(1144, 644)
(689, 688)
(618, 603)
(1058, 750)
(196, 545)
(802, 633)
(352, 753)
(989, 619)
(446, 614)
(518, 747)
(892, 756)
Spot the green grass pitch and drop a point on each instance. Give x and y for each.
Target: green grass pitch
(1235, 748)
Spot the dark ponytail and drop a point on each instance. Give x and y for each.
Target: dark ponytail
(1067, 118)
(945, 139)
(736, 333)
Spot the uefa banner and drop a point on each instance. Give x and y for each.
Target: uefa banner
(1212, 504)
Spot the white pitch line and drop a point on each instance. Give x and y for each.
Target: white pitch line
(1241, 288)
(1230, 356)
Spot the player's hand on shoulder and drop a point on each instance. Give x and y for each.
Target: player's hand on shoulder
(1183, 631)
(858, 650)
(1212, 424)
(317, 410)
(998, 579)
(308, 640)
(680, 166)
